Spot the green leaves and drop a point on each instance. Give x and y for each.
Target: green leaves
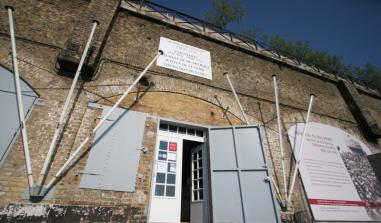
(369, 75)
(224, 12)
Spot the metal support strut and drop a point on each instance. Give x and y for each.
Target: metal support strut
(61, 122)
(278, 194)
(236, 98)
(20, 107)
(300, 150)
(280, 137)
(73, 157)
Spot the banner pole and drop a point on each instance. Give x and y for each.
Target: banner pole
(300, 149)
(73, 157)
(61, 122)
(280, 134)
(236, 98)
(20, 107)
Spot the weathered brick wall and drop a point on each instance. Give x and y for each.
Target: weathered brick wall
(373, 107)
(47, 21)
(132, 43)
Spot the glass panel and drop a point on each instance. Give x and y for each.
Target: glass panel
(200, 163)
(172, 167)
(159, 190)
(200, 153)
(170, 192)
(171, 178)
(160, 178)
(195, 184)
(200, 173)
(172, 146)
(172, 128)
(195, 197)
(201, 195)
(195, 174)
(194, 165)
(199, 133)
(182, 130)
(163, 145)
(162, 155)
(191, 132)
(194, 156)
(200, 183)
(162, 167)
(172, 156)
(163, 127)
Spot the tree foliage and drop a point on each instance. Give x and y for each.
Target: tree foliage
(369, 75)
(224, 12)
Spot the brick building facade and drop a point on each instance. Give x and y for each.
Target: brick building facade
(50, 38)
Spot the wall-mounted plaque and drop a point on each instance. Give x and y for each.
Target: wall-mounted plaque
(185, 58)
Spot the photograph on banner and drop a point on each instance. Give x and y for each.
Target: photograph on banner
(338, 178)
(185, 58)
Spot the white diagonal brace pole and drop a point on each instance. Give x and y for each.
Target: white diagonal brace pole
(236, 98)
(280, 135)
(61, 122)
(300, 150)
(20, 107)
(73, 157)
(248, 123)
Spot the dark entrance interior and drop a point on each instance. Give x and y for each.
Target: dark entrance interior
(186, 184)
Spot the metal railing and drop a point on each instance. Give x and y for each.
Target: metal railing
(195, 24)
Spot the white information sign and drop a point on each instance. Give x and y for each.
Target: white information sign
(339, 181)
(185, 58)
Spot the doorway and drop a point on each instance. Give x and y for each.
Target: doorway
(172, 198)
(188, 182)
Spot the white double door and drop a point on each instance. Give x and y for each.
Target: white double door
(166, 186)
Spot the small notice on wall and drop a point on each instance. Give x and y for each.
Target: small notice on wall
(185, 58)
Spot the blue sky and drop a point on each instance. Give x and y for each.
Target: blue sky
(347, 28)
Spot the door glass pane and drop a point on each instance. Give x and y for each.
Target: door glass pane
(201, 195)
(172, 128)
(170, 192)
(163, 127)
(182, 130)
(194, 165)
(162, 155)
(171, 178)
(163, 145)
(171, 167)
(160, 178)
(159, 190)
(191, 132)
(195, 195)
(195, 174)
